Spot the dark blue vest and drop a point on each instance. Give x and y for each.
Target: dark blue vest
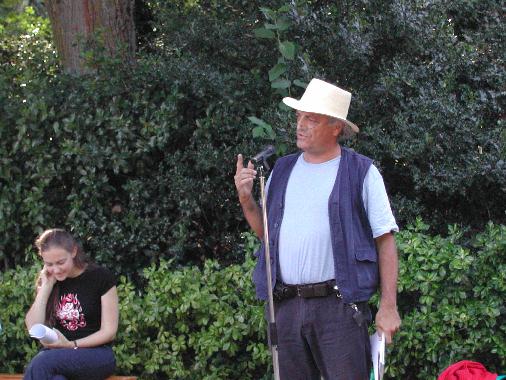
(355, 256)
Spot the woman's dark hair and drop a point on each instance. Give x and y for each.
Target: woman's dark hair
(58, 238)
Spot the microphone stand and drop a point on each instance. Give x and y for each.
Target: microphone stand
(273, 336)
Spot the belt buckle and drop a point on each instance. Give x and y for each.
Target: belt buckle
(338, 292)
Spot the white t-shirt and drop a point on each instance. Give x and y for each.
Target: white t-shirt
(305, 248)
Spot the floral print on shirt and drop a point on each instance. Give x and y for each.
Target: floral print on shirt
(70, 313)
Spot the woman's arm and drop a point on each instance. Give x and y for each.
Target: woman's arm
(37, 312)
(108, 324)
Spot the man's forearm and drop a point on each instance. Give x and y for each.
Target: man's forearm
(253, 215)
(388, 268)
(388, 320)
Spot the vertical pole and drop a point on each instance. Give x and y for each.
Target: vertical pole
(273, 337)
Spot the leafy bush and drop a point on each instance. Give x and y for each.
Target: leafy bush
(193, 323)
(196, 324)
(136, 160)
(204, 323)
(139, 160)
(451, 302)
(17, 290)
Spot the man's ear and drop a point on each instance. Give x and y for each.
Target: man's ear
(339, 127)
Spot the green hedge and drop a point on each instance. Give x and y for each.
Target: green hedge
(451, 302)
(204, 323)
(140, 159)
(132, 159)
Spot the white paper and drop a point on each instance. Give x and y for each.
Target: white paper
(43, 333)
(378, 354)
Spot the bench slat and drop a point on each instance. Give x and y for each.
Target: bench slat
(4, 376)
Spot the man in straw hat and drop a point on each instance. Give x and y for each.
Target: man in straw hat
(331, 243)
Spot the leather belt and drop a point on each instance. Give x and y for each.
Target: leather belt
(319, 289)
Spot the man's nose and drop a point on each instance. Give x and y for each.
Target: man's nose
(301, 122)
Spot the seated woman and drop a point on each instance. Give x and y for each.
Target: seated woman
(79, 300)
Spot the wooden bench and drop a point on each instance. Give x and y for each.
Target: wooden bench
(4, 376)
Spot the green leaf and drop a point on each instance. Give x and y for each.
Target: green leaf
(283, 24)
(264, 33)
(268, 13)
(281, 83)
(277, 71)
(271, 26)
(287, 49)
(258, 132)
(257, 121)
(282, 106)
(263, 129)
(299, 83)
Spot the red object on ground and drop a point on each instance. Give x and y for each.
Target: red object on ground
(467, 370)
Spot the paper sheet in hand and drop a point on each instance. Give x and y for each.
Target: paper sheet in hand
(43, 333)
(378, 354)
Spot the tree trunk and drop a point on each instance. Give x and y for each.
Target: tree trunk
(82, 24)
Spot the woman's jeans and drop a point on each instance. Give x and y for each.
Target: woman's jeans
(95, 363)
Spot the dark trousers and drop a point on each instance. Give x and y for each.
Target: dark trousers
(318, 337)
(95, 363)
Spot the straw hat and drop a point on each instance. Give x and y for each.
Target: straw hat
(326, 99)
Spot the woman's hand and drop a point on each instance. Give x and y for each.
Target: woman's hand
(46, 280)
(62, 342)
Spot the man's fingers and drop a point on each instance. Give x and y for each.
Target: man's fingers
(247, 180)
(240, 163)
(242, 172)
(249, 174)
(388, 335)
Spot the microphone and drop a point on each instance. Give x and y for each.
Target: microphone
(268, 151)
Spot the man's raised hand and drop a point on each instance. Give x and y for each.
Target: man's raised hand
(243, 178)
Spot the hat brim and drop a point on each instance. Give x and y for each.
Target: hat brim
(300, 106)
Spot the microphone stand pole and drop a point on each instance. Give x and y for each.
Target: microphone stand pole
(273, 336)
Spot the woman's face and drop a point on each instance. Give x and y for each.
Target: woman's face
(59, 262)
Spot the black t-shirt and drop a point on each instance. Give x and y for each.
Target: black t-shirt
(79, 309)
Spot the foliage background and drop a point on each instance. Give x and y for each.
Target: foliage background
(138, 160)
(204, 322)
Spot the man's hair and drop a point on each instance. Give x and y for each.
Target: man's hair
(346, 131)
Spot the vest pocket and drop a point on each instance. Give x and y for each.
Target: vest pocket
(366, 268)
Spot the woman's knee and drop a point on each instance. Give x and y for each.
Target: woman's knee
(41, 360)
(39, 367)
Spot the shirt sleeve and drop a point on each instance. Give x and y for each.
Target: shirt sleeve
(106, 280)
(377, 205)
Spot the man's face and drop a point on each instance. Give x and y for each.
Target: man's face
(316, 133)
